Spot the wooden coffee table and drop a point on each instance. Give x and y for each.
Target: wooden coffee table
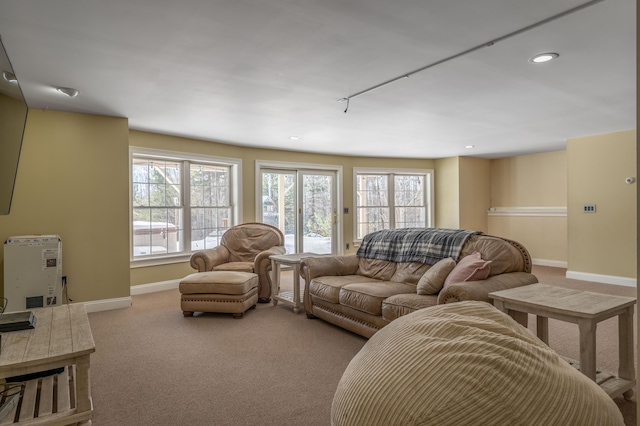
(586, 309)
(61, 339)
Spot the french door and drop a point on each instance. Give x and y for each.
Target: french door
(302, 204)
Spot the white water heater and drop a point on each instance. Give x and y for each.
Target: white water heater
(32, 272)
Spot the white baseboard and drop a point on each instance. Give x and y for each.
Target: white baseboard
(606, 279)
(153, 287)
(108, 304)
(551, 263)
(125, 302)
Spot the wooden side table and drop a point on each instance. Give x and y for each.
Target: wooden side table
(293, 298)
(61, 339)
(586, 309)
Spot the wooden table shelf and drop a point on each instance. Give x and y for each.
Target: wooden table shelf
(44, 400)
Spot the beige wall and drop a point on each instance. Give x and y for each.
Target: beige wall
(591, 171)
(475, 193)
(544, 237)
(532, 181)
(447, 193)
(603, 242)
(462, 190)
(249, 156)
(73, 181)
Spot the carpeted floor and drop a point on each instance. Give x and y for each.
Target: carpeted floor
(152, 366)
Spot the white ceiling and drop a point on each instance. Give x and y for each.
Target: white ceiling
(256, 72)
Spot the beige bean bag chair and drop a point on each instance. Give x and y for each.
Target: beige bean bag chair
(465, 363)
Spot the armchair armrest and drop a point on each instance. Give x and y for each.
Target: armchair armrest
(479, 290)
(262, 267)
(206, 260)
(262, 260)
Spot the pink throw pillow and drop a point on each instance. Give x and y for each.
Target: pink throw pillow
(470, 268)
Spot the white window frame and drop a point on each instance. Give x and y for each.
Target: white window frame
(428, 196)
(235, 195)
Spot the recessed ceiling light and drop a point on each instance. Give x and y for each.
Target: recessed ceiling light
(469, 146)
(294, 138)
(543, 57)
(70, 92)
(9, 76)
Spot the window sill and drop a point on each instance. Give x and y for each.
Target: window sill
(143, 263)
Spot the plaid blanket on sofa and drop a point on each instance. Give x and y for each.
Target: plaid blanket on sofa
(424, 245)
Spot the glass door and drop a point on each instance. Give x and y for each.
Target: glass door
(279, 204)
(318, 211)
(302, 204)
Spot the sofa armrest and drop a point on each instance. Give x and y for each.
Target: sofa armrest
(312, 267)
(206, 260)
(479, 290)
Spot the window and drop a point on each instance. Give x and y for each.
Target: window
(389, 199)
(180, 203)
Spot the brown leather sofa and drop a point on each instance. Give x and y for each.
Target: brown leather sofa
(363, 295)
(244, 248)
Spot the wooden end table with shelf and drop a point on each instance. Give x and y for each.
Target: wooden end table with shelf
(61, 340)
(586, 309)
(294, 297)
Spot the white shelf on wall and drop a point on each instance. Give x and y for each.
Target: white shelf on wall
(528, 211)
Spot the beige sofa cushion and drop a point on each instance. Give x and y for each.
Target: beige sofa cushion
(375, 268)
(328, 287)
(409, 272)
(433, 280)
(368, 298)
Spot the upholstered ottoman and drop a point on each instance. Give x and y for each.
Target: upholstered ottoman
(218, 291)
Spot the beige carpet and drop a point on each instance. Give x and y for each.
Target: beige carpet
(152, 366)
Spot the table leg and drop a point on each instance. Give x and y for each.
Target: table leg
(521, 318)
(275, 282)
(499, 304)
(542, 328)
(83, 387)
(588, 348)
(296, 288)
(625, 345)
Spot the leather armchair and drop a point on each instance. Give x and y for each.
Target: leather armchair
(244, 248)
